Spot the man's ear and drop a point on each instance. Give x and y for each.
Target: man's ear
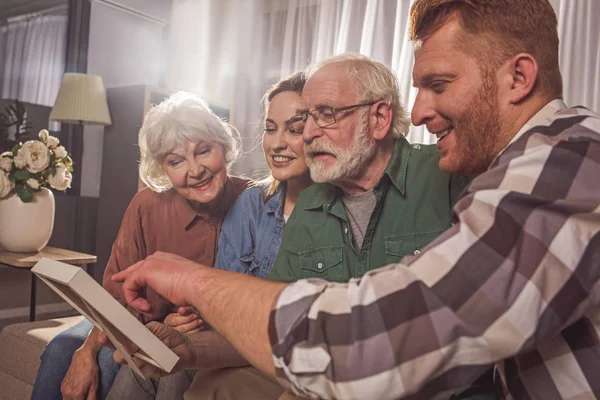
(522, 75)
(381, 119)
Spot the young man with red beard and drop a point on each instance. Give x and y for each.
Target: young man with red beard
(514, 283)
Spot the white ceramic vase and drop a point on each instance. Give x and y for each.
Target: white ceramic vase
(26, 227)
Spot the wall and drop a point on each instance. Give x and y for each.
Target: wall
(555, 5)
(125, 50)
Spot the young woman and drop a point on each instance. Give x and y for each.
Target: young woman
(186, 152)
(251, 232)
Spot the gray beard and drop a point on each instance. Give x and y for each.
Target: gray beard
(350, 163)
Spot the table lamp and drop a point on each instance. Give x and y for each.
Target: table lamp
(81, 100)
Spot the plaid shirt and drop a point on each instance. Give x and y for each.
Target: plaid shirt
(514, 282)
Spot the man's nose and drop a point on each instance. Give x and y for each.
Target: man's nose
(311, 130)
(423, 110)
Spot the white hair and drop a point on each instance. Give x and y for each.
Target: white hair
(182, 118)
(375, 82)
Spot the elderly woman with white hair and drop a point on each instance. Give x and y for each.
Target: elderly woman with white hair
(186, 152)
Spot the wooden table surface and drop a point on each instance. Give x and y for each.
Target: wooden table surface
(28, 260)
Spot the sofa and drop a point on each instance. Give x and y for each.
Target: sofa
(21, 346)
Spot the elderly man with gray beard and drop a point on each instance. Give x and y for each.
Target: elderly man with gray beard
(377, 197)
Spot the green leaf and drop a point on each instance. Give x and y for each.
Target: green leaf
(21, 174)
(25, 195)
(15, 149)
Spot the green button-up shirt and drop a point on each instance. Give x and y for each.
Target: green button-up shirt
(414, 203)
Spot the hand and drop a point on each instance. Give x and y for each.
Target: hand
(99, 340)
(175, 340)
(81, 381)
(168, 274)
(185, 320)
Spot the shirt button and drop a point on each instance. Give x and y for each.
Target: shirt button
(346, 229)
(320, 265)
(417, 252)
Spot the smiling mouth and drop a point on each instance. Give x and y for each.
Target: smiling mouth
(282, 159)
(202, 183)
(442, 134)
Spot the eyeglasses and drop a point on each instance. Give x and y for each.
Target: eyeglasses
(324, 116)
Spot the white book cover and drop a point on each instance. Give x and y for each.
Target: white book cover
(88, 297)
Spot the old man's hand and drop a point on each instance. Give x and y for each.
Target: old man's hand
(175, 340)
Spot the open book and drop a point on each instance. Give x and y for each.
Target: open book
(89, 298)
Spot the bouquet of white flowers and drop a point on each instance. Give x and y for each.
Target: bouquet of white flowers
(33, 165)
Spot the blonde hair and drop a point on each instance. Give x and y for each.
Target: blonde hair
(183, 117)
(375, 82)
(292, 83)
(498, 30)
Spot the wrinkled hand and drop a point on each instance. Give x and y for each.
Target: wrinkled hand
(81, 381)
(185, 320)
(167, 274)
(175, 340)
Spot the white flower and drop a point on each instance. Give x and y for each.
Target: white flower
(5, 161)
(60, 152)
(6, 186)
(43, 135)
(61, 180)
(36, 154)
(33, 183)
(52, 142)
(20, 160)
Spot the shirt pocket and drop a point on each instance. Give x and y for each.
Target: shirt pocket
(323, 262)
(409, 244)
(250, 262)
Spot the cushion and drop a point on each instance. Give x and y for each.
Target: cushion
(21, 346)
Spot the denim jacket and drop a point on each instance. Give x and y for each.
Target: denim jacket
(251, 233)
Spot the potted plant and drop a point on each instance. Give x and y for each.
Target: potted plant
(26, 203)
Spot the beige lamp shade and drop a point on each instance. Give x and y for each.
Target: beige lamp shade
(81, 99)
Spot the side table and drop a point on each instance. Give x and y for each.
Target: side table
(28, 260)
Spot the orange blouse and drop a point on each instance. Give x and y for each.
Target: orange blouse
(166, 222)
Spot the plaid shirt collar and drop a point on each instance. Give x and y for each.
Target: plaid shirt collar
(541, 117)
